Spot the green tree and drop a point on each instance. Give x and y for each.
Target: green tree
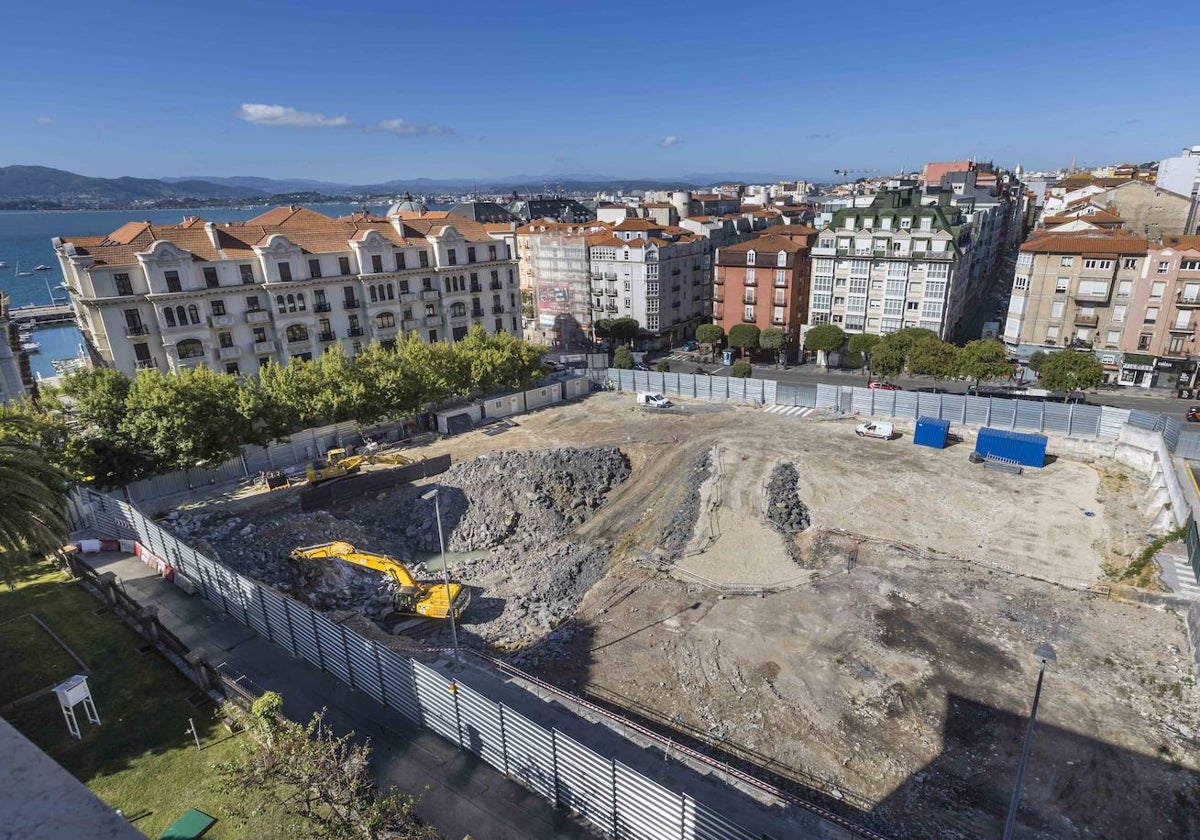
(775, 340)
(907, 337)
(743, 337)
(663, 366)
(186, 420)
(625, 329)
(862, 342)
(602, 329)
(740, 369)
(623, 358)
(33, 497)
(96, 396)
(710, 335)
(492, 362)
(1071, 370)
(825, 339)
(888, 358)
(983, 359)
(1036, 359)
(309, 773)
(932, 357)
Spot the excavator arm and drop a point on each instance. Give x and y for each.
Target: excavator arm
(347, 553)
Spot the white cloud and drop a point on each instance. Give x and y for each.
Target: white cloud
(282, 115)
(669, 141)
(403, 128)
(44, 120)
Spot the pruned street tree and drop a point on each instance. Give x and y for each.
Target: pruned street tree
(309, 773)
(932, 357)
(625, 329)
(775, 340)
(623, 358)
(1071, 371)
(887, 358)
(824, 339)
(741, 369)
(983, 359)
(711, 336)
(185, 420)
(1036, 359)
(743, 337)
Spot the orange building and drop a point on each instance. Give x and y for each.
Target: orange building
(765, 282)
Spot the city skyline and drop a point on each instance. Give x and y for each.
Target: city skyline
(618, 91)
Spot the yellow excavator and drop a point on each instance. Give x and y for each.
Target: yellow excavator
(424, 598)
(338, 463)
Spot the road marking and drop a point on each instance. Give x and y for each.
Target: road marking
(790, 410)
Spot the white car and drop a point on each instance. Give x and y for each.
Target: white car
(653, 400)
(883, 431)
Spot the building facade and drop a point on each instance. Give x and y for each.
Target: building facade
(1181, 174)
(887, 266)
(16, 382)
(1162, 322)
(287, 284)
(765, 282)
(556, 282)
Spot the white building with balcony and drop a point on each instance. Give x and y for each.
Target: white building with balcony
(289, 283)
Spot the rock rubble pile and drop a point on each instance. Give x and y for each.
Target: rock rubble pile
(785, 510)
(679, 531)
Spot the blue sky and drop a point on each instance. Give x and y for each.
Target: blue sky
(368, 92)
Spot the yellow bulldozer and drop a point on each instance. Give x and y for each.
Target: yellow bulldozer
(338, 463)
(427, 598)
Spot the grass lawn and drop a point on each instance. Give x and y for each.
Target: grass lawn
(141, 758)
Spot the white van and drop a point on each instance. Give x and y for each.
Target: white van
(652, 400)
(883, 431)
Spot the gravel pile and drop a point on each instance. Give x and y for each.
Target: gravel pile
(785, 511)
(679, 532)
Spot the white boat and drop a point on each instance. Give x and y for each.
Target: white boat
(30, 346)
(42, 267)
(3, 264)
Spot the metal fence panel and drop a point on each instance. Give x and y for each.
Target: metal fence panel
(827, 396)
(1085, 421)
(437, 703)
(861, 399)
(905, 404)
(482, 727)
(701, 822)
(363, 658)
(1111, 421)
(645, 810)
(952, 407)
(277, 619)
(398, 685)
(249, 594)
(978, 411)
(304, 632)
(770, 388)
(1056, 417)
(585, 782)
(1143, 419)
(1172, 428)
(1028, 415)
(1188, 445)
(530, 754)
(333, 648)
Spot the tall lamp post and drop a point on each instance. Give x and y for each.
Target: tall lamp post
(1046, 654)
(437, 508)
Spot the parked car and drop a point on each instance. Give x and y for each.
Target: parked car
(929, 389)
(641, 366)
(690, 346)
(1193, 414)
(883, 386)
(883, 431)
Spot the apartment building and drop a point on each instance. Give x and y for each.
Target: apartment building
(556, 281)
(1074, 290)
(286, 284)
(660, 275)
(765, 282)
(889, 265)
(1162, 319)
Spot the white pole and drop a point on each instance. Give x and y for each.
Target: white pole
(446, 577)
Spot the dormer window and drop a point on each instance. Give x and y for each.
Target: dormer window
(750, 256)
(781, 259)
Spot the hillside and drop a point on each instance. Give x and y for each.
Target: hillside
(36, 184)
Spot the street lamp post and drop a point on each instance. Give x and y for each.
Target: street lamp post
(437, 509)
(1046, 654)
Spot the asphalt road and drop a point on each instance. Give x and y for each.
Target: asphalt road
(1156, 401)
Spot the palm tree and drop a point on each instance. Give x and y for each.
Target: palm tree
(33, 497)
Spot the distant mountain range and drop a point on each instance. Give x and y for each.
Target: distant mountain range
(35, 187)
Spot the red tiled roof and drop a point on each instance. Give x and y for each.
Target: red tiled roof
(1051, 242)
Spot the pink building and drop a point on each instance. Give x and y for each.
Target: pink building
(1162, 320)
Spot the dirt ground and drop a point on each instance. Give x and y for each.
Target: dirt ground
(894, 665)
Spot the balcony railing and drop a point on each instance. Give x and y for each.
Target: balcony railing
(267, 346)
(257, 316)
(134, 330)
(498, 309)
(410, 324)
(479, 313)
(322, 306)
(227, 353)
(354, 332)
(476, 288)
(1087, 320)
(327, 335)
(301, 338)
(611, 292)
(495, 286)
(1187, 302)
(1092, 297)
(430, 294)
(220, 320)
(146, 364)
(433, 320)
(352, 304)
(1182, 328)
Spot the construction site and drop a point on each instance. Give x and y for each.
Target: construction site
(854, 618)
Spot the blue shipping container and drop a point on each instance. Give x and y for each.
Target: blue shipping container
(1026, 449)
(931, 431)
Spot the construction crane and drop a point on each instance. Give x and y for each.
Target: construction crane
(846, 173)
(427, 598)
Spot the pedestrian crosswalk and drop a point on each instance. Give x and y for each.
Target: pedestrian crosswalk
(790, 410)
(1178, 574)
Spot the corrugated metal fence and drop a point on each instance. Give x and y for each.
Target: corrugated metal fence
(617, 800)
(300, 447)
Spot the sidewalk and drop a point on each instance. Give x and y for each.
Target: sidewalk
(464, 795)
